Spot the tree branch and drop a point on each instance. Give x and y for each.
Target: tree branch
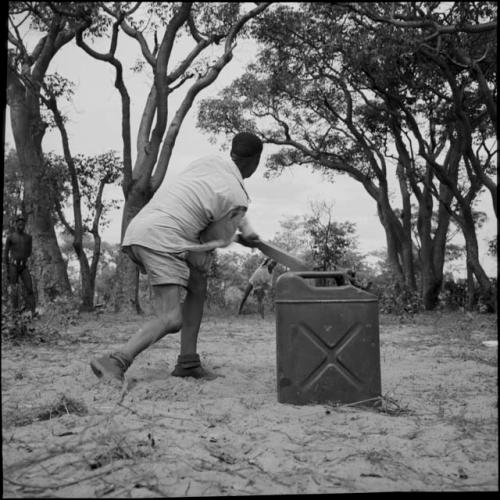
(402, 22)
(125, 97)
(133, 33)
(197, 86)
(62, 218)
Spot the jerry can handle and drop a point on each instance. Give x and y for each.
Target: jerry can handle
(324, 274)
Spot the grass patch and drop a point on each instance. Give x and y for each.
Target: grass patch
(63, 405)
(117, 448)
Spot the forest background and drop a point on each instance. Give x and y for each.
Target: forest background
(404, 127)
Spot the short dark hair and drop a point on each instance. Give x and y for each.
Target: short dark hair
(246, 144)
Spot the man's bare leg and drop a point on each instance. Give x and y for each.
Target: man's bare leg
(28, 285)
(14, 297)
(13, 291)
(188, 363)
(168, 312)
(192, 311)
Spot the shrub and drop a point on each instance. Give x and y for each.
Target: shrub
(17, 327)
(22, 327)
(453, 296)
(486, 303)
(395, 298)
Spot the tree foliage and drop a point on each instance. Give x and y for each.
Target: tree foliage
(332, 243)
(368, 89)
(324, 243)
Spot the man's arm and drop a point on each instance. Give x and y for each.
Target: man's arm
(247, 235)
(220, 233)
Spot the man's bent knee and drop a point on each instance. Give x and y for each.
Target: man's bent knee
(171, 321)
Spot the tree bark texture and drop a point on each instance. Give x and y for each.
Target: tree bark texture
(126, 289)
(471, 246)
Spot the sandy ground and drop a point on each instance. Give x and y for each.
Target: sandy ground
(66, 435)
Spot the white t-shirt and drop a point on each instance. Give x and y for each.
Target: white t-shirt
(204, 192)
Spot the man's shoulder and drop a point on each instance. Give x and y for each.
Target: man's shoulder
(213, 168)
(213, 160)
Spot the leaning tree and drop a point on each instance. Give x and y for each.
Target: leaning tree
(161, 29)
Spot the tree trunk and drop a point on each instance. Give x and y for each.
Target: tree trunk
(405, 230)
(88, 288)
(440, 237)
(432, 278)
(471, 246)
(48, 266)
(408, 266)
(431, 286)
(126, 290)
(469, 302)
(392, 247)
(399, 245)
(49, 269)
(126, 296)
(87, 279)
(431, 251)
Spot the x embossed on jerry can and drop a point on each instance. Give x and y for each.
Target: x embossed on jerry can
(327, 340)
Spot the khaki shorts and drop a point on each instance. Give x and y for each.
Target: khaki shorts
(168, 268)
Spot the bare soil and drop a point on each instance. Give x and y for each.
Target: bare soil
(67, 435)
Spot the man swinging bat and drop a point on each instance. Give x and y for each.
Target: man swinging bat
(172, 239)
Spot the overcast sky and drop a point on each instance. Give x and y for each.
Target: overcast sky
(94, 127)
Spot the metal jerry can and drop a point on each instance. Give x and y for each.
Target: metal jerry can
(327, 340)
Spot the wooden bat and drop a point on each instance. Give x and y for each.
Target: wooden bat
(282, 257)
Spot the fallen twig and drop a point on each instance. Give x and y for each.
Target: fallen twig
(59, 484)
(360, 402)
(147, 417)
